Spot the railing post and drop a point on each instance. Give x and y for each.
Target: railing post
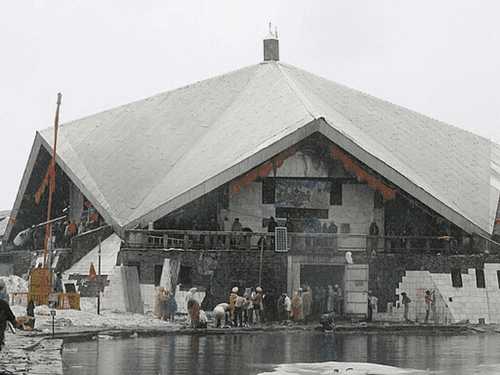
(186, 241)
(207, 241)
(248, 241)
(227, 241)
(165, 240)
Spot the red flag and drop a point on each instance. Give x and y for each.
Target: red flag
(42, 187)
(92, 273)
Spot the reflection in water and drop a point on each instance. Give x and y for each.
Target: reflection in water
(258, 352)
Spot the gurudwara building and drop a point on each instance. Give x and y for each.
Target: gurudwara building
(272, 176)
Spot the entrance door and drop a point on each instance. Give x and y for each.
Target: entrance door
(356, 290)
(317, 276)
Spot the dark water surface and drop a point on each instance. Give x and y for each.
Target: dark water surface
(258, 352)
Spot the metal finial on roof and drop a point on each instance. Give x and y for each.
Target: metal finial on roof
(271, 47)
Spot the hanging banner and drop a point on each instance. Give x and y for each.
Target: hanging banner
(298, 193)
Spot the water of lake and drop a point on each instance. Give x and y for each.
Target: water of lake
(260, 352)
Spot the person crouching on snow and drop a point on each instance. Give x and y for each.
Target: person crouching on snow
(220, 314)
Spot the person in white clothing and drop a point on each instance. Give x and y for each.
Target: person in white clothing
(220, 314)
(288, 306)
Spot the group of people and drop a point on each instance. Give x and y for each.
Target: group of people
(244, 308)
(298, 308)
(166, 306)
(430, 300)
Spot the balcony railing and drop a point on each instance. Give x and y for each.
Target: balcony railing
(297, 243)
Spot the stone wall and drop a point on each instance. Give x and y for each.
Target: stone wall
(215, 272)
(387, 270)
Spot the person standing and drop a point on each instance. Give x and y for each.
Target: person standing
(232, 299)
(247, 306)
(339, 298)
(406, 303)
(237, 227)
(6, 315)
(280, 307)
(330, 301)
(257, 305)
(3, 291)
(271, 228)
(238, 311)
(372, 305)
(288, 306)
(58, 288)
(160, 303)
(170, 306)
(307, 303)
(374, 238)
(194, 312)
(429, 304)
(297, 308)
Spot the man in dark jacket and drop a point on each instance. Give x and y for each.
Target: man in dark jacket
(6, 314)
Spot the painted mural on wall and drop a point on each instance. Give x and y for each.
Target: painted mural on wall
(298, 193)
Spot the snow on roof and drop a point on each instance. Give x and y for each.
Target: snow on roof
(140, 161)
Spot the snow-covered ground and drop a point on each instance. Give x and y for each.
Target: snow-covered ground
(87, 315)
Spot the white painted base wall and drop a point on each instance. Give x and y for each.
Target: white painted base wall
(453, 304)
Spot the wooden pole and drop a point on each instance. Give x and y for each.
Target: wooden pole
(52, 185)
(261, 254)
(99, 278)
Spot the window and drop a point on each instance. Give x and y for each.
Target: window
(224, 197)
(456, 278)
(480, 282)
(185, 275)
(498, 278)
(268, 191)
(378, 199)
(336, 193)
(345, 228)
(158, 272)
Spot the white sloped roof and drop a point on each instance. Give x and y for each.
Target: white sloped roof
(140, 161)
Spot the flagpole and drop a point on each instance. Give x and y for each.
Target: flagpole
(52, 183)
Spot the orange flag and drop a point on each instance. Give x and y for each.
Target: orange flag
(92, 273)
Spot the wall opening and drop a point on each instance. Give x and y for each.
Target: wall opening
(456, 278)
(480, 281)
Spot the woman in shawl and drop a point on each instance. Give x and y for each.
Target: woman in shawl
(160, 304)
(306, 302)
(171, 307)
(194, 312)
(3, 291)
(297, 310)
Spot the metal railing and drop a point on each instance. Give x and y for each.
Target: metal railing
(297, 243)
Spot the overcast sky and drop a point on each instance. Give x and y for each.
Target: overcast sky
(440, 57)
